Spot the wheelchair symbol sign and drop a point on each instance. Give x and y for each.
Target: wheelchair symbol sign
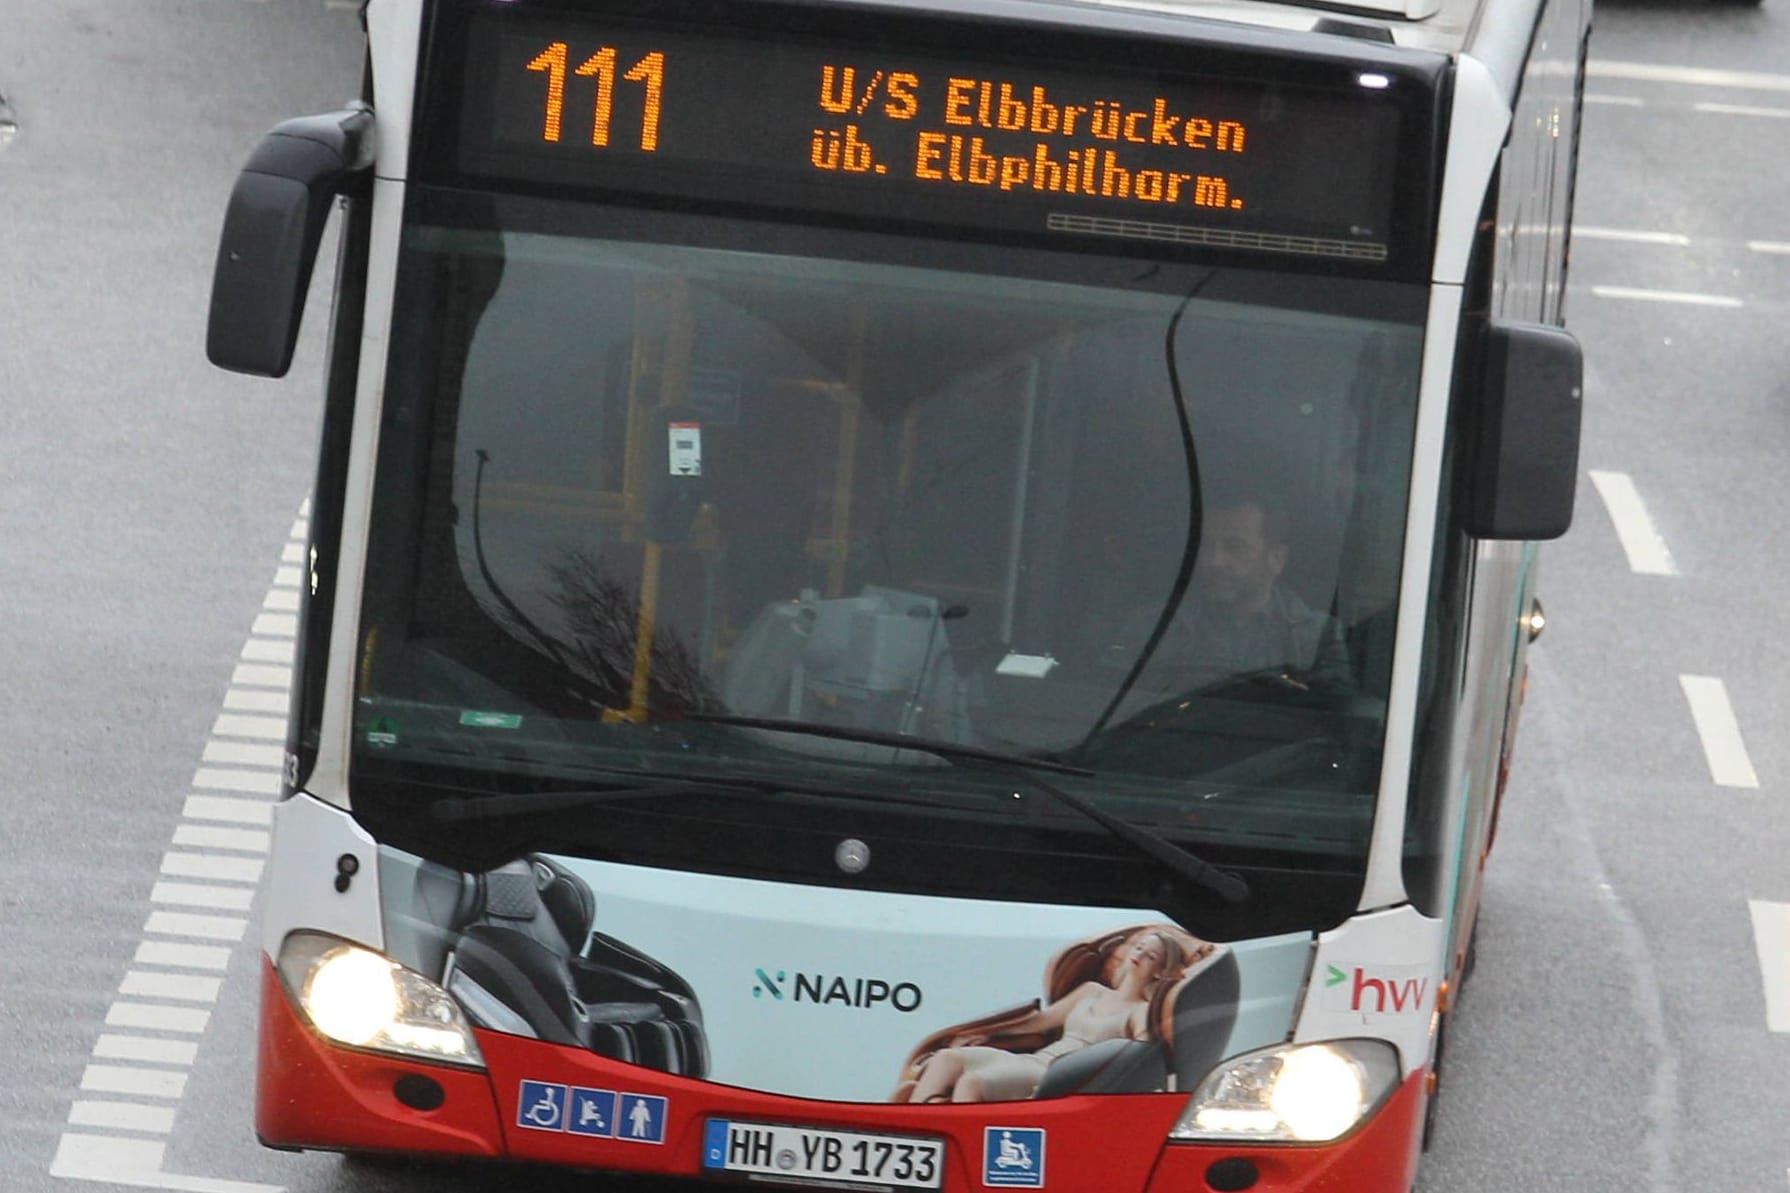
(542, 1106)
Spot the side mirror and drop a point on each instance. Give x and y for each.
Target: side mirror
(1524, 464)
(271, 231)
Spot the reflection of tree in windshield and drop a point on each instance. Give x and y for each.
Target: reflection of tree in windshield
(601, 620)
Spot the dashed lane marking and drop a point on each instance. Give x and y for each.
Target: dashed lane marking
(1630, 235)
(1741, 110)
(1771, 939)
(1646, 550)
(1682, 297)
(1719, 730)
(1768, 246)
(1693, 76)
(131, 1090)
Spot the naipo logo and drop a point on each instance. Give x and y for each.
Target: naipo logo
(1376, 990)
(862, 993)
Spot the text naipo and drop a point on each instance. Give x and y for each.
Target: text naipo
(863, 993)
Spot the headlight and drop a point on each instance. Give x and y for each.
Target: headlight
(360, 998)
(1296, 1093)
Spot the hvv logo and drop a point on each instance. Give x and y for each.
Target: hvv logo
(1381, 990)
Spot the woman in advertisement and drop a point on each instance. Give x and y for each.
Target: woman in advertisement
(1116, 1005)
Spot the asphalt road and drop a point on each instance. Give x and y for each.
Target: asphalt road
(1618, 1034)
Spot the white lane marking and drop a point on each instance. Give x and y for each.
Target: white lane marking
(193, 894)
(1723, 746)
(1768, 246)
(1693, 76)
(1620, 101)
(210, 836)
(112, 1046)
(1741, 110)
(122, 1116)
(1631, 236)
(262, 676)
(219, 807)
(277, 625)
(162, 970)
(177, 987)
(1771, 939)
(1684, 297)
(211, 867)
(254, 782)
(268, 650)
(195, 925)
(293, 553)
(136, 1163)
(1646, 550)
(125, 1079)
(158, 1018)
(233, 753)
(235, 724)
(256, 700)
(173, 954)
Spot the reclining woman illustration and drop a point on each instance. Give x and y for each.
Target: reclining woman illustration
(971, 1069)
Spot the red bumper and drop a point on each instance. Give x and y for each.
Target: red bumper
(312, 1094)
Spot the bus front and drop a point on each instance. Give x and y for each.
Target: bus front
(855, 634)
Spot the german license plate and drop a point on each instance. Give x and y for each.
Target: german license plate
(811, 1155)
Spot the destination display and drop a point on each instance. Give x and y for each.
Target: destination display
(1261, 164)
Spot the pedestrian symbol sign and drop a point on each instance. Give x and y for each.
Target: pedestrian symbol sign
(640, 1118)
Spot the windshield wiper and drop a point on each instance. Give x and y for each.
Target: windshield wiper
(1179, 861)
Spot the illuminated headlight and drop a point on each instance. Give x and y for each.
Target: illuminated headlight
(360, 998)
(1296, 1093)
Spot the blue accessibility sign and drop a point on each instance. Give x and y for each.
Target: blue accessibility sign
(592, 1112)
(1013, 1157)
(640, 1118)
(542, 1106)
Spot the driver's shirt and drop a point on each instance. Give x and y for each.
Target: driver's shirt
(1204, 644)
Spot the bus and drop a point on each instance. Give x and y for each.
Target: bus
(908, 594)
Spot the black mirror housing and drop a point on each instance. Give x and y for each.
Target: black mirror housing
(1524, 463)
(272, 227)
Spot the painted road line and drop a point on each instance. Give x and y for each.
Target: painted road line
(136, 1163)
(212, 867)
(1771, 939)
(1681, 297)
(176, 987)
(260, 700)
(122, 1116)
(235, 724)
(150, 1051)
(192, 894)
(158, 1018)
(211, 836)
(1726, 752)
(126, 1079)
(196, 925)
(1692, 76)
(262, 676)
(1741, 110)
(1631, 236)
(221, 807)
(1646, 550)
(171, 954)
(1619, 101)
(233, 753)
(268, 650)
(293, 553)
(254, 782)
(1768, 246)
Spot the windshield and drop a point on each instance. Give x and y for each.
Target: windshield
(639, 474)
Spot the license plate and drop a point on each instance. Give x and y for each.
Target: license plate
(811, 1155)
